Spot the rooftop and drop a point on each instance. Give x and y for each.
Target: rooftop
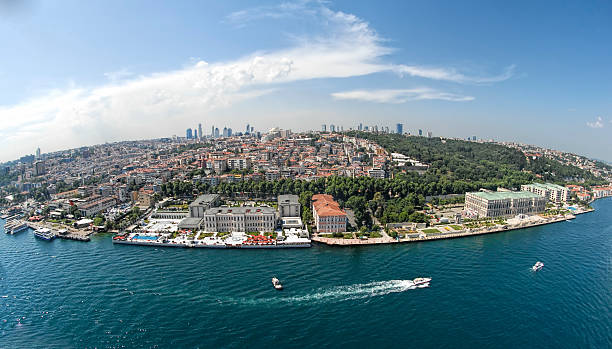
(204, 200)
(240, 210)
(501, 195)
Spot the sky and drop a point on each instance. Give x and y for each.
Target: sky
(75, 73)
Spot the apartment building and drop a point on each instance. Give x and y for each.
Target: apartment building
(553, 192)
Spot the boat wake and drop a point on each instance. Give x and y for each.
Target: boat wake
(337, 293)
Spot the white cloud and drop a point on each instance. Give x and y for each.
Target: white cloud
(449, 74)
(163, 103)
(118, 75)
(596, 124)
(400, 95)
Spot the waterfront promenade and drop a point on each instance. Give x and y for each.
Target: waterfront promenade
(512, 224)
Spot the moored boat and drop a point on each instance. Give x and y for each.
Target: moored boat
(44, 234)
(19, 228)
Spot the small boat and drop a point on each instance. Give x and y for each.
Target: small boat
(44, 233)
(277, 284)
(539, 265)
(421, 281)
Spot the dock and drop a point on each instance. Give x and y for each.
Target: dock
(70, 233)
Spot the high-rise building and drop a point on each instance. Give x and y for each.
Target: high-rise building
(39, 168)
(212, 131)
(429, 134)
(360, 128)
(195, 134)
(323, 128)
(420, 132)
(252, 129)
(399, 129)
(248, 129)
(216, 132)
(225, 132)
(38, 153)
(229, 132)
(376, 128)
(200, 131)
(189, 133)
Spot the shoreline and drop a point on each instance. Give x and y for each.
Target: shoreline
(337, 242)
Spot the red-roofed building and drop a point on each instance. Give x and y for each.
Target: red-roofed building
(328, 216)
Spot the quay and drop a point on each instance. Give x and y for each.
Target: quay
(527, 223)
(70, 233)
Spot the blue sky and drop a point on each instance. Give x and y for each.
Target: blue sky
(77, 73)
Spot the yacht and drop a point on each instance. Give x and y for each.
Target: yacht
(277, 284)
(44, 233)
(539, 265)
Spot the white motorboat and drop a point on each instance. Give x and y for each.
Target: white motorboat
(539, 265)
(277, 284)
(421, 281)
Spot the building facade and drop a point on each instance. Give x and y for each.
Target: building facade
(553, 192)
(239, 219)
(328, 216)
(504, 204)
(288, 206)
(201, 204)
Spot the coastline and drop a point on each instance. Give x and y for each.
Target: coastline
(337, 242)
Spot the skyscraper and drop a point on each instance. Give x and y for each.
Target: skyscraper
(212, 132)
(200, 131)
(360, 128)
(225, 132)
(323, 128)
(248, 129)
(399, 129)
(420, 132)
(429, 134)
(332, 128)
(216, 133)
(38, 153)
(189, 133)
(229, 132)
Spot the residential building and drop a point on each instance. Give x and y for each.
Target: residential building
(504, 204)
(399, 129)
(554, 192)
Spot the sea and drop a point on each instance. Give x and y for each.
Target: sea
(483, 294)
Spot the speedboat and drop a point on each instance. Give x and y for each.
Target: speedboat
(277, 284)
(539, 265)
(421, 281)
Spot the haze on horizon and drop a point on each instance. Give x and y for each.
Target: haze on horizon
(79, 73)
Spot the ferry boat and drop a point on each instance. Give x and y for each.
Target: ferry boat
(539, 265)
(19, 228)
(277, 284)
(421, 282)
(44, 233)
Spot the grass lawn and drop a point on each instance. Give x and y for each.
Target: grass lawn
(456, 227)
(431, 231)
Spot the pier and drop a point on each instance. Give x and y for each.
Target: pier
(71, 233)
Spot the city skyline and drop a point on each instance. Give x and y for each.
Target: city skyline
(300, 64)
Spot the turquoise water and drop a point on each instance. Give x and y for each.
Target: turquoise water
(65, 294)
